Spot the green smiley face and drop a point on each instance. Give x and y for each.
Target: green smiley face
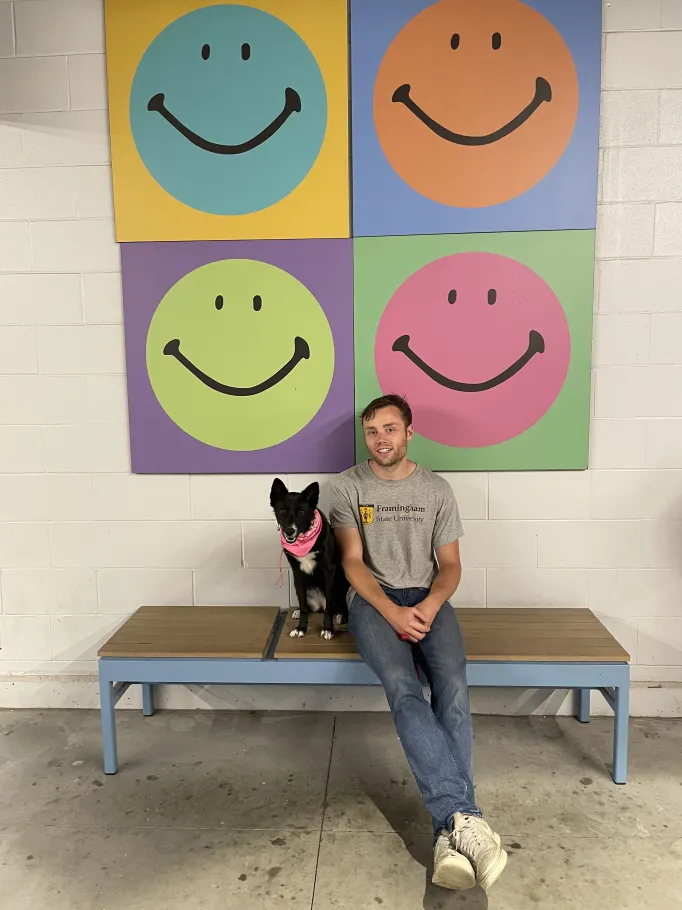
(240, 355)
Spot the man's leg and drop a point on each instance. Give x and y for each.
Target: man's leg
(441, 653)
(444, 779)
(442, 657)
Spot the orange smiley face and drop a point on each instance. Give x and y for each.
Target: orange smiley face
(475, 103)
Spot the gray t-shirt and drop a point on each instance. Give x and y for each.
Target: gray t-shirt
(401, 522)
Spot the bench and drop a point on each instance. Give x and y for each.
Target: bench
(527, 648)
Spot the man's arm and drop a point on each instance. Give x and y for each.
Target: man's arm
(446, 533)
(405, 622)
(344, 522)
(357, 573)
(444, 584)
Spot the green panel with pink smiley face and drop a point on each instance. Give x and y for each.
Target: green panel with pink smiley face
(489, 338)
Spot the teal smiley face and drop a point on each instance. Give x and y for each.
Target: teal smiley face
(228, 109)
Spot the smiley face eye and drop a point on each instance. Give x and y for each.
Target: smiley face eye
(492, 296)
(454, 41)
(246, 51)
(206, 51)
(219, 302)
(452, 296)
(257, 302)
(497, 41)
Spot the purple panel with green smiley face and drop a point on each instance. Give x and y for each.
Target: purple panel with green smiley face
(239, 356)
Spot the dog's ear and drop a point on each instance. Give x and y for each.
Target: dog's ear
(277, 491)
(311, 494)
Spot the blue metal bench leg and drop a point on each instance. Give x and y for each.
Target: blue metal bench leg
(620, 735)
(108, 708)
(583, 714)
(147, 699)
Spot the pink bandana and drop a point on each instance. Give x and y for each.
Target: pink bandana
(304, 542)
(301, 546)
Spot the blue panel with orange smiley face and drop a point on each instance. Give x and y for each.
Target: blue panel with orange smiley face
(473, 116)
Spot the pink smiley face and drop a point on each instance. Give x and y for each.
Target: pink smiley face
(480, 346)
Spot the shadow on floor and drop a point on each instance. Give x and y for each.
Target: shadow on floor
(417, 840)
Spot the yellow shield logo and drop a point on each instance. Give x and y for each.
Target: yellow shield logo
(367, 514)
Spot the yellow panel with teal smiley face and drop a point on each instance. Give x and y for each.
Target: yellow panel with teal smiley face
(228, 120)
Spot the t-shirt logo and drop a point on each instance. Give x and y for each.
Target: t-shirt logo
(367, 514)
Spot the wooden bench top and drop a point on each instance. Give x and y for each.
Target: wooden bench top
(193, 632)
(506, 634)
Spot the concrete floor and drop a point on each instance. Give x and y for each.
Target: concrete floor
(249, 811)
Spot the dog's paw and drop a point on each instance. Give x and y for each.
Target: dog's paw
(295, 614)
(296, 633)
(340, 619)
(327, 635)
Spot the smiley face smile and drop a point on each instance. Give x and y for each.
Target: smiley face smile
(301, 352)
(292, 105)
(543, 93)
(536, 345)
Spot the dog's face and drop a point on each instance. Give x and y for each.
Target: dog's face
(294, 511)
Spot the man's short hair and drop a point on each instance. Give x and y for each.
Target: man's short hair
(388, 401)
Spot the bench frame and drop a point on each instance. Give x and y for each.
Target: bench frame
(116, 674)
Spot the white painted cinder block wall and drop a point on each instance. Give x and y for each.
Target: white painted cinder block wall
(83, 542)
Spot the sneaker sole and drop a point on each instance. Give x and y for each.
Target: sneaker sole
(496, 871)
(454, 877)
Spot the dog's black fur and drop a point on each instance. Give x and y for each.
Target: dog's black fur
(318, 577)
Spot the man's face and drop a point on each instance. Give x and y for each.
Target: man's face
(387, 436)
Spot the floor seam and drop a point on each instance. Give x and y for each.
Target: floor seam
(515, 833)
(324, 812)
(222, 829)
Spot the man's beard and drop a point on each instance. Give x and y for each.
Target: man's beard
(392, 458)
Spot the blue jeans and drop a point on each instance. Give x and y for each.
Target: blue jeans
(437, 737)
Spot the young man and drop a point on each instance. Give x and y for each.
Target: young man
(398, 529)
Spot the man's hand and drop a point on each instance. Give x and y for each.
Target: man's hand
(407, 624)
(426, 610)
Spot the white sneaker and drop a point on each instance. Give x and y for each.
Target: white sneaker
(476, 840)
(450, 868)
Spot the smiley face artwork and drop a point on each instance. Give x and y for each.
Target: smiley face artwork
(474, 115)
(489, 337)
(465, 89)
(479, 344)
(240, 354)
(284, 263)
(228, 109)
(228, 119)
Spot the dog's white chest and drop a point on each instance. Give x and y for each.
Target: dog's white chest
(307, 563)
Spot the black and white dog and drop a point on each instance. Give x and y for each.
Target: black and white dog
(309, 546)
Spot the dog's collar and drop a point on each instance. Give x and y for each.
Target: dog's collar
(304, 542)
